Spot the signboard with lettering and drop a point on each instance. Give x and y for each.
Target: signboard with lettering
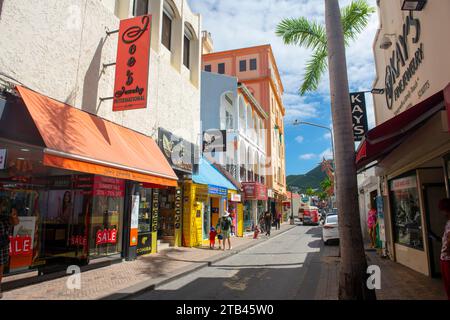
(179, 152)
(217, 190)
(254, 191)
(359, 115)
(214, 141)
(155, 210)
(404, 183)
(144, 244)
(178, 209)
(134, 225)
(2, 159)
(235, 197)
(132, 64)
(108, 187)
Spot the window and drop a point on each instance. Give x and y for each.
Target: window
(406, 212)
(166, 31)
(243, 65)
(186, 52)
(208, 68)
(229, 120)
(140, 7)
(221, 68)
(253, 64)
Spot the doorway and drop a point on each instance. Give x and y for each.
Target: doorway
(435, 223)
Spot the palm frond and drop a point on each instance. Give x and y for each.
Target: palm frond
(355, 18)
(314, 71)
(302, 32)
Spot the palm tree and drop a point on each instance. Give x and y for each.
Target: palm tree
(310, 192)
(330, 42)
(353, 265)
(312, 35)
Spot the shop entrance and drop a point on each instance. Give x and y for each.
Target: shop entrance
(435, 223)
(166, 225)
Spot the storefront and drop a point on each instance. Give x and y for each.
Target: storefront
(235, 209)
(410, 144)
(255, 199)
(205, 202)
(73, 192)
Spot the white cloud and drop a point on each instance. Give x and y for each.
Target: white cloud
(307, 156)
(327, 136)
(327, 154)
(299, 139)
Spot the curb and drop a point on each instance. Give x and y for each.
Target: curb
(152, 284)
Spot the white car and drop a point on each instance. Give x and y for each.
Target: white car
(330, 230)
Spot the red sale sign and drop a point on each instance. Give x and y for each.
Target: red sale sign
(106, 236)
(132, 64)
(20, 246)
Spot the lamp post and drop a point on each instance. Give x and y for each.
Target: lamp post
(297, 123)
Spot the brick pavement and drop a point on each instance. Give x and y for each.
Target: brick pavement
(105, 282)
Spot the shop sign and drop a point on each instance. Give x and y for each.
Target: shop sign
(201, 194)
(78, 241)
(144, 244)
(254, 191)
(178, 209)
(109, 187)
(179, 152)
(359, 115)
(106, 236)
(404, 183)
(396, 82)
(134, 225)
(218, 190)
(20, 246)
(236, 197)
(2, 159)
(214, 141)
(270, 193)
(155, 210)
(132, 64)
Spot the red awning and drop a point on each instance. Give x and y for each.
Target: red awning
(382, 139)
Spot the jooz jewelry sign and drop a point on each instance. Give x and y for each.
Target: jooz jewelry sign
(132, 64)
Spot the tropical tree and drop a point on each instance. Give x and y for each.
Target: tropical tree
(326, 186)
(330, 42)
(312, 35)
(310, 192)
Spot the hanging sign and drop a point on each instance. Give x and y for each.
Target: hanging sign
(132, 64)
(214, 141)
(2, 159)
(359, 115)
(134, 225)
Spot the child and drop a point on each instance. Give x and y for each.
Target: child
(256, 233)
(212, 237)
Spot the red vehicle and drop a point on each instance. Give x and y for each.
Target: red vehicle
(309, 215)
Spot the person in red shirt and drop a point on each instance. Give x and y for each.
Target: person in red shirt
(212, 237)
(372, 225)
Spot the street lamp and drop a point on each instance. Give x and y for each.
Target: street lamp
(413, 5)
(296, 123)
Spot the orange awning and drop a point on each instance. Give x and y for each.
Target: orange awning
(79, 141)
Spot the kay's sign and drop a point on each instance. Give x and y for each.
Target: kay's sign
(359, 115)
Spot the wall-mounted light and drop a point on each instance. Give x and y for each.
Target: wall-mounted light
(386, 43)
(413, 5)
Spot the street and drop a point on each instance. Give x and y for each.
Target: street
(294, 265)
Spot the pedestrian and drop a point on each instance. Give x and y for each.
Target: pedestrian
(278, 220)
(444, 205)
(212, 237)
(219, 234)
(372, 225)
(225, 227)
(256, 232)
(6, 224)
(268, 221)
(262, 223)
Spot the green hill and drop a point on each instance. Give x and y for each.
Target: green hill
(312, 179)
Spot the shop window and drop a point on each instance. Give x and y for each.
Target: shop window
(406, 214)
(221, 68)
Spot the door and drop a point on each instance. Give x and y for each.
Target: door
(435, 224)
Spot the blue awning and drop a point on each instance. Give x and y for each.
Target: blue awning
(210, 176)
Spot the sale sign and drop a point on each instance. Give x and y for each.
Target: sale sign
(132, 64)
(106, 236)
(20, 246)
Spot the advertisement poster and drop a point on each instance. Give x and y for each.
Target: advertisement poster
(134, 220)
(2, 159)
(21, 243)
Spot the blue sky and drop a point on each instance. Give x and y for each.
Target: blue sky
(243, 23)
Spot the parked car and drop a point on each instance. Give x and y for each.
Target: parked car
(310, 215)
(330, 228)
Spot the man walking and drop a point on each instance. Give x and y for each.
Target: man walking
(268, 222)
(225, 226)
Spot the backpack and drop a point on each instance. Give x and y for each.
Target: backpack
(225, 225)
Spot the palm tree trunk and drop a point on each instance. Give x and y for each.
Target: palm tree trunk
(353, 265)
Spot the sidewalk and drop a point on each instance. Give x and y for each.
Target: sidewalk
(124, 279)
(397, 281)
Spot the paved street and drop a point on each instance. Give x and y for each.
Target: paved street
(293, 265)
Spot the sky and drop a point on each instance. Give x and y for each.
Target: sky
(243, 23)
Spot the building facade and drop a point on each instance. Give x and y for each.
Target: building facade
(125, 194)
(410, 144)
(256, 68)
